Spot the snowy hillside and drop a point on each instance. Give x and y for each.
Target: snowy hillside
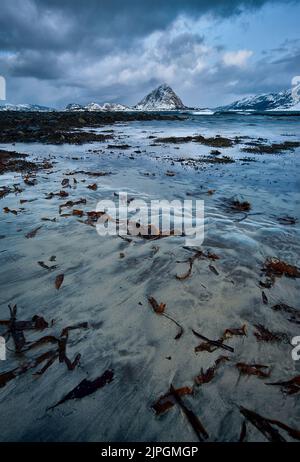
(25, 108)
(288, 100)
(97, 107)
(163, 98)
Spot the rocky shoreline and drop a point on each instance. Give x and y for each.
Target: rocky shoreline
(63, 127)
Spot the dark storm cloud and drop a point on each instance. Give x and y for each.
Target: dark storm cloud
(34, 63)
(69, 24)
(137, 17)
(115, 49)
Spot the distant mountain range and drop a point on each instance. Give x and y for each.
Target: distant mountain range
(25, 108)
(97, 107)
(288, 100)
(163, 98)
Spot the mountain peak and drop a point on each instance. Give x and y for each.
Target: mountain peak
(287, 100)
(164, 86)
(162, 98)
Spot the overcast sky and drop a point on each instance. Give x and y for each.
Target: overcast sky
(211, 52)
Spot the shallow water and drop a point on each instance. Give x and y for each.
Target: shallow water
(111, 292)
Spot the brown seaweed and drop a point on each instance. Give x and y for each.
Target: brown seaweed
(16, 328)
(265, 335)
(36, 323)
(274, 148)
(254, 369)
(70, 204)
(8, 210)
(273, 268)
(47, 267)
(77, 213)
(30, 181)
(167, 401)
(215, 142)
(198, 255)
(159, 309)
(59, 280)
(6, 377)
(95, 174)
(33, 233)
(93, 187)
(238, 206)
(192, 418)
(209, 374)
(266, 426)
(87, 387)
(295, 314)
(236, 331)
(13, 330)
(60, 194)
(212, 345)
(290, 387)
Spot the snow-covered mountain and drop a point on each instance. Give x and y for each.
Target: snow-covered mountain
(288, 100)
(74, 107)
(163, 98)
(97, 107)
(114, 107)
(25, 108)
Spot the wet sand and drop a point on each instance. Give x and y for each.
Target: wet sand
(107, 283)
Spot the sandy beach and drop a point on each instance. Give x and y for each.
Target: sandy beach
(55, 265)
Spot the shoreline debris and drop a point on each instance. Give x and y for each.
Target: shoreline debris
(86, 388)
(258, 370)
(159, 309)
(266, 426)
(290, 387)
(212, 345)
(209, 374)
(199, 255)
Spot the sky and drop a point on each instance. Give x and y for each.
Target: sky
(211, 52)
